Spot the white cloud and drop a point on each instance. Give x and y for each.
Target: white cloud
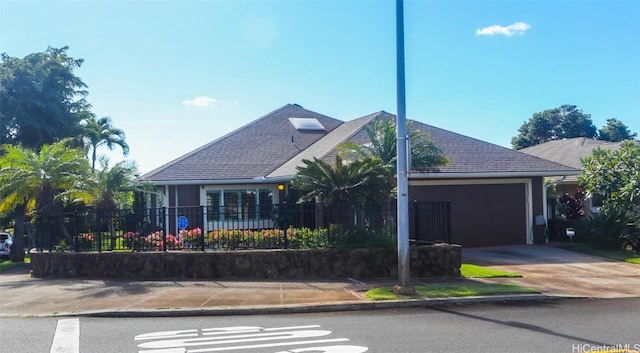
(200, 101)
(516, 28)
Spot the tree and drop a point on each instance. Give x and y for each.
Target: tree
(614, 176)
(38, 181)
(344, 184)
(110, 184)
(425, 155)
(101, 132)
(566, 121)
(40, 98)
(615, 131)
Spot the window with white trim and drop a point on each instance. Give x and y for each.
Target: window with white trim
(239, 204)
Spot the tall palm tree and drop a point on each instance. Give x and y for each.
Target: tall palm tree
(110, 184)
(38, 181)
(425, 155)
(101, 132)
(344, 184)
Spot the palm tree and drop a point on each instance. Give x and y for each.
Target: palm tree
(38, 181)
(344, 184)
(425, 155)
(101, 132)
(110, 185)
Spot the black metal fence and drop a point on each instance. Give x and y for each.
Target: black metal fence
(201, 228)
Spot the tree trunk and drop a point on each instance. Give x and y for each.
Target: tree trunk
(17, 248)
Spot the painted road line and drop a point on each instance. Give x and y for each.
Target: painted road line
(67, 337)
(237, 338)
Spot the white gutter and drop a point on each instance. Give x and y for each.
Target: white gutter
(414, 175)
(492, 174)
(222, 181)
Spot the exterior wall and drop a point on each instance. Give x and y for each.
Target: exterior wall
(189, 195)
(488, 213)
(440, 260)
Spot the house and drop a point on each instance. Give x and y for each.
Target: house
(495, 192)
(570, 152)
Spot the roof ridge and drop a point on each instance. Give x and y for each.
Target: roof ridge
(221, 138)
(321, 148)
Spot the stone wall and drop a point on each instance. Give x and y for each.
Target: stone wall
(426, 261)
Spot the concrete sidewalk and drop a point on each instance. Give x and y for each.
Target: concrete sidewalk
(556, 273)
(23, 296)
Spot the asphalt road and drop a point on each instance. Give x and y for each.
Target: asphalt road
(571, 326)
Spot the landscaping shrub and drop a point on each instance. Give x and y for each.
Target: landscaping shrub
(608, 229)
(349, 237)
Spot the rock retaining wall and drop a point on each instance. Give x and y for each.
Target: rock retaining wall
(426, 261)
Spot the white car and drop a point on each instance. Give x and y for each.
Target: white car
(5, 244)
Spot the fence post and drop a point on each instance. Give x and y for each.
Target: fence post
(75, 236)
(98, 230)
(165, 228)
(449, 233)
(202, 215)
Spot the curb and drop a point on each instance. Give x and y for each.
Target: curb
(311, 308)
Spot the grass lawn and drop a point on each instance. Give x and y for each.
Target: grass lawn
(7, 265)
(620, 255)
(452, 290)
(460, 290)
(475, 271)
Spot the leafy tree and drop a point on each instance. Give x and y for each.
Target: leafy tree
(425, 155)
(615, 131)
(110, 185)
(101, 132)
(566, 121)
(614, 175)
(40, 98)
(38, 181)
(344, 184)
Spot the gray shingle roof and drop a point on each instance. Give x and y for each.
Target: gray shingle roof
(252, 151)
(569, 151)
(263, 148)
(471, 156)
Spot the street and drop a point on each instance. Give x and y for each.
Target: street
(571, 326)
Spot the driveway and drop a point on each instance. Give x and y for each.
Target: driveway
(559, 272)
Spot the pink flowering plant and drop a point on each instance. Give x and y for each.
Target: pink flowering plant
(85, 240)
(155, 241)
(298, 238)
(132, 240)
(190, 238)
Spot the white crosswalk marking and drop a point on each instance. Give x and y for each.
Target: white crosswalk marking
(67, 337)
(237, 338)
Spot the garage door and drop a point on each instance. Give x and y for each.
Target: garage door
(481, 215)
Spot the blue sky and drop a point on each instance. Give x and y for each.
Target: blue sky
(175, 75)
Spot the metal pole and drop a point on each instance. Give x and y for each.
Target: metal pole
(403, 286)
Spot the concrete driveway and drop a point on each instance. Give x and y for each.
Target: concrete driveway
(559, 272)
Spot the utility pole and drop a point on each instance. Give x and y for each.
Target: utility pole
(404, 269)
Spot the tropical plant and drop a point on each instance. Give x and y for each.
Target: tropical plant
(101, 132)
(110, 183)
(344, 185)
(607, 229)
(38, 181)
(425, 155)
(614, 176)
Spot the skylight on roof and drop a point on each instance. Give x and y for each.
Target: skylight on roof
(306, 124)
